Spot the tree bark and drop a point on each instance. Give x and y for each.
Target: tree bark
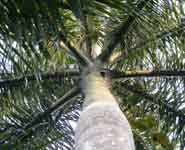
(102, 125)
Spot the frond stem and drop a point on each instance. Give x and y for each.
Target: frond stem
(44, 76)
(43, 115)
(171, 32)
(120, 32)
(114, 74)
(84, 61)
(68, 96)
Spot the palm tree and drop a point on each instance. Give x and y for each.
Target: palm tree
(61, 62)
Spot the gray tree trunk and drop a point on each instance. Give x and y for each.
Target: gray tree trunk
(102, 125)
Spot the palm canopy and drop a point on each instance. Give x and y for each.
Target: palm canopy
(45, 44)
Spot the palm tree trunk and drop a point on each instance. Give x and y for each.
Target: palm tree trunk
(102, 125)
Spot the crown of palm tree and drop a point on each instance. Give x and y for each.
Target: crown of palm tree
(47, 46)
